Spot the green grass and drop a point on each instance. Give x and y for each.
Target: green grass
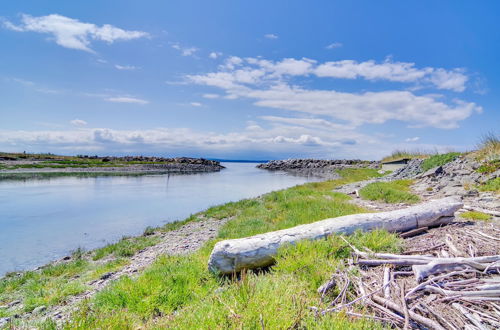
(389, 192)
(489, 166)
(180, 292)
(491, 185)
(474, 215)
(126, 247)
(439, 160)
(47, 287)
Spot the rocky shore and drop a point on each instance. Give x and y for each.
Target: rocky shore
(316, 167)
(94, 164)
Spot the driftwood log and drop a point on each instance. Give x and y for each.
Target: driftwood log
(258, 251)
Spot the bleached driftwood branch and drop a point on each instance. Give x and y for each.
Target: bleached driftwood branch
(258, 251)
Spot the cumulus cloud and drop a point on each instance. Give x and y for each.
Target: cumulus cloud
(413, 139)
(185, 51)
(269, 84)
(126, 99)
(71, 33)
(271, 36)
(78, 122)
(215, 55)
(334, 45)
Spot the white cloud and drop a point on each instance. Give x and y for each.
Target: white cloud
(78, 122)
(211, 96)
(126, 67)
(215, 55)
(185, 51)
(196, 104)
(413, 139)
(71, 33)
(271, 36)
(334, 45)
(269, 84)
(126, 99)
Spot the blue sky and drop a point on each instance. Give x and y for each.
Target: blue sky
(251, 80)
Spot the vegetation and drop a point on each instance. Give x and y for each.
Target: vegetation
(489, 166)
(439, 160)
(474, 215)
(126, 247)
(402, 154)
(491, 185)
(389, 192)
(179, 291)
(489, 147)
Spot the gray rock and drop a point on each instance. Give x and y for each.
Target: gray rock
(39, 309)
(4, 321)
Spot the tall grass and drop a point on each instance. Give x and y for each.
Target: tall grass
(402, 154)
(488, 147)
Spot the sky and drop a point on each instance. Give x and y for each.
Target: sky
(248, 79)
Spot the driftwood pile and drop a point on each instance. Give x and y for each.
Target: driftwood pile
(448, 291)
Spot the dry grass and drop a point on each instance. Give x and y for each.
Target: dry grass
(488, 147)
(401, 154)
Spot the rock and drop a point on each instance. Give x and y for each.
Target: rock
(4, 321)
(432, 172)
(39, 309)
(14, 303)
(106, 275)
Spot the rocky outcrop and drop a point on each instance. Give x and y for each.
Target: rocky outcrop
(316, 167)
(411, 170)
(459, 177)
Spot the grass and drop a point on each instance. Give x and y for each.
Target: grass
(491, 185)
(474, 215)
(180, 292)
(489, 166)
(389, 192)
(488, 147)
(126, 247)
(439, 160)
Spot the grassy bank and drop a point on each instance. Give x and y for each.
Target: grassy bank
(179, 291)
(397, 191)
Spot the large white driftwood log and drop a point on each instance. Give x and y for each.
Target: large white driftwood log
(258, 251)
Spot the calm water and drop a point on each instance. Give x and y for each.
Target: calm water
(42, 220)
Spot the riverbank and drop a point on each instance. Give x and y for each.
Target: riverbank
(12, 165)
(178, 291)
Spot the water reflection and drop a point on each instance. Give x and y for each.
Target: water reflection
(45, 218)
